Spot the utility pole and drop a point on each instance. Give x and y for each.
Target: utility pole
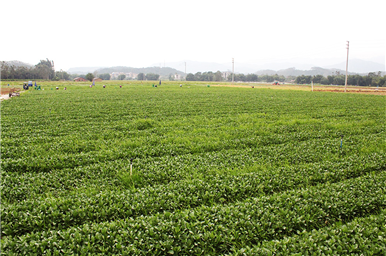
(233, 70)
(345, 84)
(185, 70)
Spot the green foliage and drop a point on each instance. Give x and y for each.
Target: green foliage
(141, 76)
(372, 79)
(89, 76)
(206, 76)
(354, 237)
(105, 76)
(271, 78)
(190, 77)
(152, 76)
(62, 75)
(214, 171)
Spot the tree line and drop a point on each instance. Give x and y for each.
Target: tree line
(43, 70)
(107, 76)
(148, 76)
(371, 79)
(219, 76)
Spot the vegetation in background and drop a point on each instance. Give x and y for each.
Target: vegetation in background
(45, 70)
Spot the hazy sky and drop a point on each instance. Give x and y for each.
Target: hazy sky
(144, 32)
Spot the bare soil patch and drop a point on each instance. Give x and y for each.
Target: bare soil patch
(5, 91)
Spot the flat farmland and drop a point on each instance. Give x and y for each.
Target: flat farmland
(192, 170)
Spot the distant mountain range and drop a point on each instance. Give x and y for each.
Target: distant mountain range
(297, 72)
(355, 66)
(162, 71)
(83, 70)
(359, 66)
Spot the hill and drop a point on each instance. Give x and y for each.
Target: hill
(318, 67)
(360, 66)
(297, 72)
(162, 71)
(82, 70)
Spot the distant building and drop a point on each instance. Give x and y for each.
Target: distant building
(97, 79)
(79, 79)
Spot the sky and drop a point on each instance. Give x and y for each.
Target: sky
(142, 33)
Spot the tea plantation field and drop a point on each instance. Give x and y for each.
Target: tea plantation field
(215, 171)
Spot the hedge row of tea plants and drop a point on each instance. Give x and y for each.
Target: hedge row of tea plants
(217, 229)
(80, 208)
(355, 237)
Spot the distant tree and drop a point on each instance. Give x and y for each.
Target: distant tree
(303, 79)
(330, 79)
(240, 77)
(190, 77)
(339, 80)
(121, 77)
(251, 78)
(89, 76)
(324, 81)
(171, 77)
(207, 76)
(152, 76)
(45, 69)
(270, 79)
(218, 76)
(141, 76)
(62, 75)
(317, 79)
(382, 81)
(198, 76)
(105, 76)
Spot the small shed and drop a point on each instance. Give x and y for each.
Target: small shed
(79, 79)
(97, 79)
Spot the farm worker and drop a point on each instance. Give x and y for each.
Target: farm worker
(180, 85)
(104, 86)
(159, 82)
(57, 88)
(120, 86)
(65, 88)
